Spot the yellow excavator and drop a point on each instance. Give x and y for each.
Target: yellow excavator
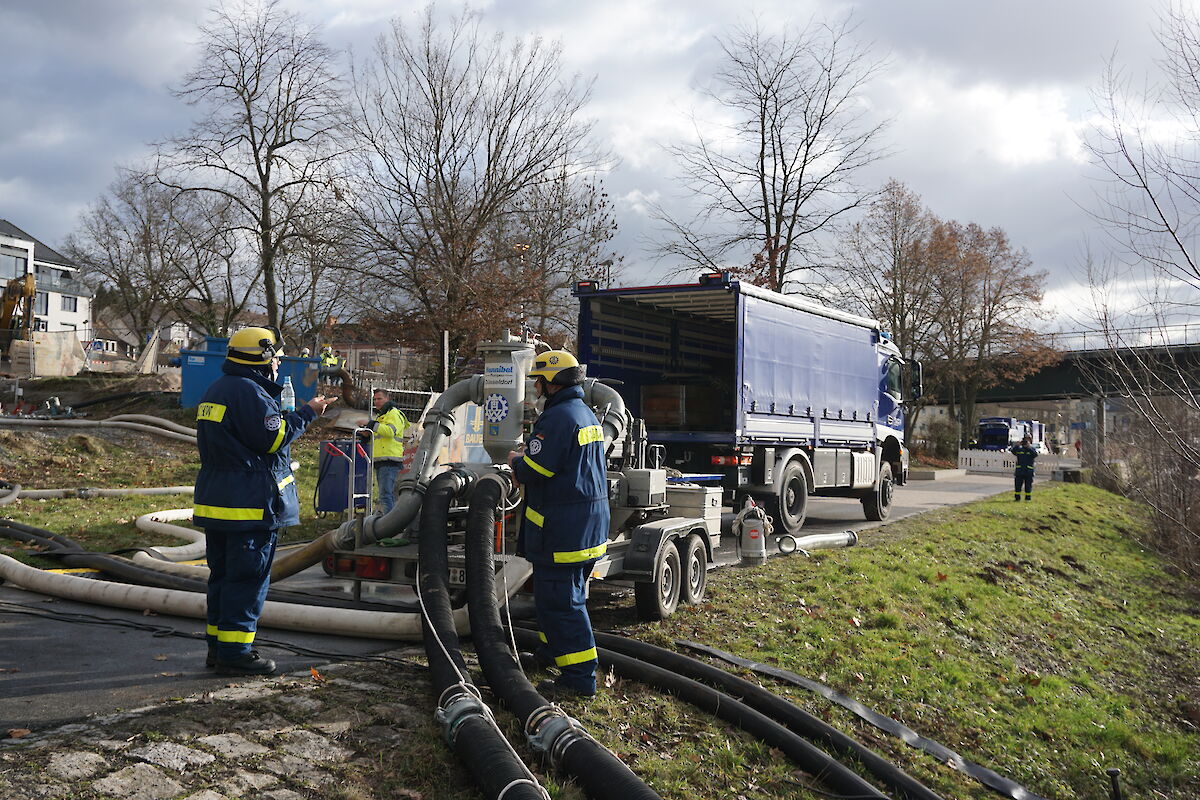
(16, 311)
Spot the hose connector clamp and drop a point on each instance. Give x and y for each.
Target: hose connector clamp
(545, 727)
(455, 711)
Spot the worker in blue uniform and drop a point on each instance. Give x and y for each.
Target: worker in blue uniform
(566, 522)
(1023, 474)
(245, 492)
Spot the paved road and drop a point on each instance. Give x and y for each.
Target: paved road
(53, 670)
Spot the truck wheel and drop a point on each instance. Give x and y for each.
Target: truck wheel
(658, 599)
(695, 568)
(878, 503)
(788, 508)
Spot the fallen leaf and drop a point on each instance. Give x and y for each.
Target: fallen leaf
(856, 621)
(148, 613)
(169, 674)
(18, 733)
(316, 675)
(161, 657)
(858, 676)
(10, 669)
(941, 576)
(408, 794)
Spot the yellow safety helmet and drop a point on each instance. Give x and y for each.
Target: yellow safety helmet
(557, 367)
(255, 345)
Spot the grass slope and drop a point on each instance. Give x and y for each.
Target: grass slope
(1036, 638)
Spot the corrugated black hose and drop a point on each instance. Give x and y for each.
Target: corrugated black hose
(777, 708)
(810, 758)
(593, 766)
(467, 723)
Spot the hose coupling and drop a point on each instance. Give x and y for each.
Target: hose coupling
(455, 711)
(545, 726)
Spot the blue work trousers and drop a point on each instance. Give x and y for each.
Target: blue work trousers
(386, 474)
(239, 573)
(560, 600)
(1022, 478)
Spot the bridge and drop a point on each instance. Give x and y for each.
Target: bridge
(1084, 371)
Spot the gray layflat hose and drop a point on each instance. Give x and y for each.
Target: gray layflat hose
(98, 423)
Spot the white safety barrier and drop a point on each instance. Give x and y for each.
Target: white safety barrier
(1002, 461)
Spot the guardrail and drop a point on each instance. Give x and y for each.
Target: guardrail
(1002, 461)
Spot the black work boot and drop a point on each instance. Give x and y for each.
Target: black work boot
(248, 664)
(535, 661)
(555, 691)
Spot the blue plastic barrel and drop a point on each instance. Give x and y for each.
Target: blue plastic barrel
(333, 473)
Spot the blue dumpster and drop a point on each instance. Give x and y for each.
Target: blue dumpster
(334, 472)
(199, 368)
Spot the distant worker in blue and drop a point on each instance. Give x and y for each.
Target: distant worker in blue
(566, 521)
(387, 450)
(1026, 454)
(245, 492)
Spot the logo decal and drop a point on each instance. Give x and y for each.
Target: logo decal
(535, 446)
(553, 359)
(495, 408)
(272, 423)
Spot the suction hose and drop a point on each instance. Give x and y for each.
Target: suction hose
(570, 748)
(812, 759)
(789, 544)
(98, 423)
(776, 707)
(466, 722)
(9, 492)
(439, 422)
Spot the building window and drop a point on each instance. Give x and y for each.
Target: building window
(41, 303)
(70, 303)
(11, 266)
(40, 324)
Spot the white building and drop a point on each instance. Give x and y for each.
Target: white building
(62, 303)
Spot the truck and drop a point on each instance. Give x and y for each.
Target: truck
(776, 397)
(1001, 433)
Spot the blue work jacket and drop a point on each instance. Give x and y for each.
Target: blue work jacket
(566, 486)
(1026, 455)
(246, 481)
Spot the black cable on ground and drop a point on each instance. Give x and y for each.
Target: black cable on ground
(72, 554)
(777, 708)
(469, 728)
(992, 780)
(593, 766)
(165, 631)
(112, 397)
(811, 759)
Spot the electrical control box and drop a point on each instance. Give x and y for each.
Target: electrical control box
(646, 487)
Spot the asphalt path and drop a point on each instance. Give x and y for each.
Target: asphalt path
(62, 660)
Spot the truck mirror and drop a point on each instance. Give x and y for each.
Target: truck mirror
(915, 387)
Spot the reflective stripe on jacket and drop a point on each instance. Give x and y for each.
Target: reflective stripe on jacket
(566, 487)
(388, 428)
(245, 481)
(1026, 455)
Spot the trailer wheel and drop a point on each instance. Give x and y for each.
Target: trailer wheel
(658, 599)
(695, 569)
(877, 505)
(788, 508)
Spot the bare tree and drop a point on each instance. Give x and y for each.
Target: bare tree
(1148, 145)
(320, 279)
(454, 129)
(989, 302)
(783, 168)
(268, 132)
(557, 235)
(885, 270)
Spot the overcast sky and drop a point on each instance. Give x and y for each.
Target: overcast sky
(989, 99)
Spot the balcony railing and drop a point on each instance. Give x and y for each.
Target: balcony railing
(53, 283)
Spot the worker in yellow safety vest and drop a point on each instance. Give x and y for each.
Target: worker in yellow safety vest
(387, 451)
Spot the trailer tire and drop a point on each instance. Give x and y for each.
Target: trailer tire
(877, 505)
(788, 507)
(658, 599)
(694, 579)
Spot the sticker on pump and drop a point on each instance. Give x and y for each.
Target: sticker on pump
(495, 408)
(500, 375)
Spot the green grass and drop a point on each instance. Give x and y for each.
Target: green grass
(1038, 639)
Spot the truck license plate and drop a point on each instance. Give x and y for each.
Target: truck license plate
(458, 576)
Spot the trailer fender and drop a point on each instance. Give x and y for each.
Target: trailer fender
(782, 457)
(647, 541)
